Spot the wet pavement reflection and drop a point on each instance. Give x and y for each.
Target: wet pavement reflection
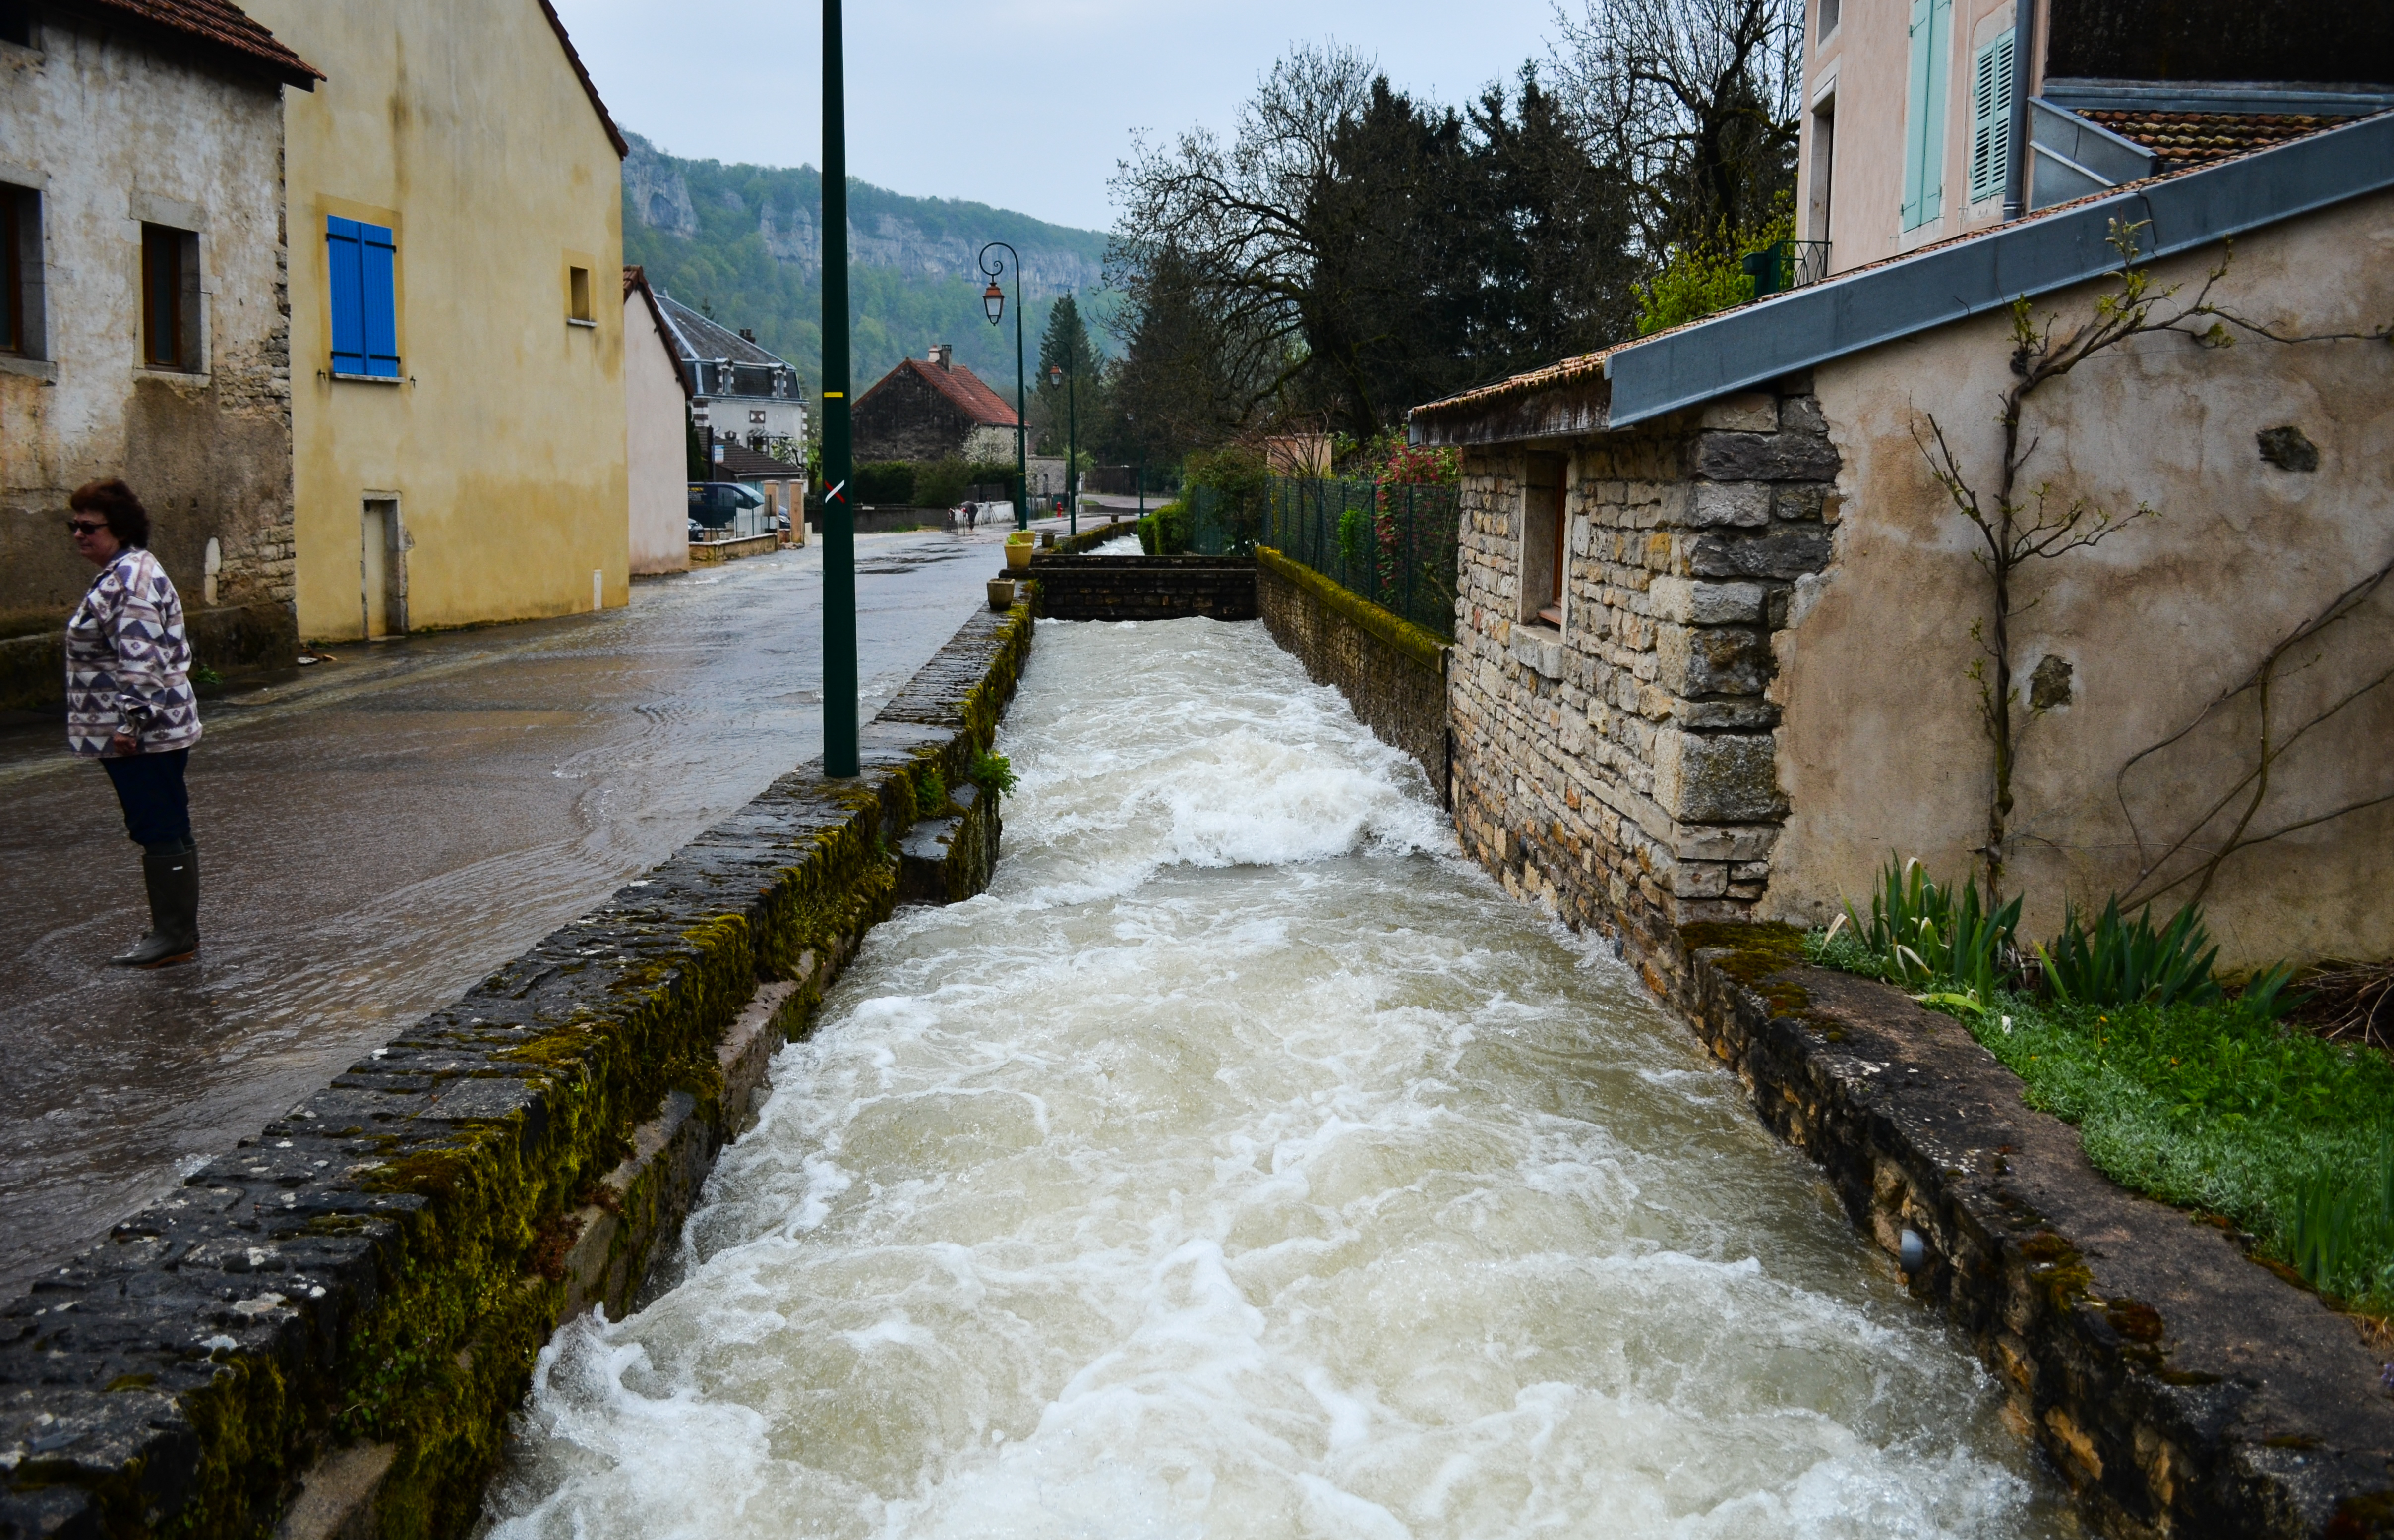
(377, 833)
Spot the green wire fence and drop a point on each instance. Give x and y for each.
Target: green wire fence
(1393, 545)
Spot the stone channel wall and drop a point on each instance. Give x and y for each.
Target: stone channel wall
(1620, 769)
(33, 668)
(2178, 1386)
(327, 1329)
(1144, 587)
(1393, 672)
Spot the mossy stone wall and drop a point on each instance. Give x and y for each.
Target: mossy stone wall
(379, 1266)
(1391, 671)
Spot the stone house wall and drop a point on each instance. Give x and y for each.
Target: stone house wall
(1621, 771)
(109, 134)
(905, 418)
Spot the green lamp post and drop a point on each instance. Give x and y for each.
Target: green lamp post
(993, 304)
(1056, 375)
(838, 458)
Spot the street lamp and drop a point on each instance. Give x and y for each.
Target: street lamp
(1056, 375)
(993, 304)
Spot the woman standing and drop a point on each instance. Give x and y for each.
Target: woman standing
(129, 705)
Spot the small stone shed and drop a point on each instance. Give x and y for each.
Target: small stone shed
(1717, 617)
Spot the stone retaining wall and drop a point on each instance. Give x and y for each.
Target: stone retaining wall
(329, 1327)
(33, 668)
(1393, 672)
(2178, 1386)
(1144, 587)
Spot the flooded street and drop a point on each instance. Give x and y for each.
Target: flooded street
(379, 832)
(1245, 1165)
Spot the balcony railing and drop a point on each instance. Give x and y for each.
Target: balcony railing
(1787, 265)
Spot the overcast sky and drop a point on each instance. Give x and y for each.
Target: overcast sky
(1024, 104)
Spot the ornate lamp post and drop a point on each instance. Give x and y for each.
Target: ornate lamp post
(1056, 375)
(993, 304)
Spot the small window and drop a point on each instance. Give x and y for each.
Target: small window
(21, 261)
(578, 286)
(1825, 22)
(170, 298)
(17, 23)
(1990, 120)
(1542, 527)
(361, 268)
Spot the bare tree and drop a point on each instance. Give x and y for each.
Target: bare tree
(1696, 98)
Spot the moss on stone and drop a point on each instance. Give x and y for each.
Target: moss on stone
(1753, 954)
(1413, 641)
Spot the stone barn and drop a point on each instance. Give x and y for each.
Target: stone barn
(931, 409)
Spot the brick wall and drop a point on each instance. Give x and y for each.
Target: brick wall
(1621, 769)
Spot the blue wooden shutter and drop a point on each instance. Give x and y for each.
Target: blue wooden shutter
(347, 273)
(377, 252)
(1990, 118)
(1924, 126)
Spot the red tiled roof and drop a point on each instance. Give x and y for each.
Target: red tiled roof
(606, 121)
(2184, 140)
(218, 23)
(961, 385)
(1591, 365)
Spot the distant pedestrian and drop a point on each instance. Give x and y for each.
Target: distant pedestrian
(972, 514)
(129, 705)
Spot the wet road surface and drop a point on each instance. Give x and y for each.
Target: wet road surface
(378, 832)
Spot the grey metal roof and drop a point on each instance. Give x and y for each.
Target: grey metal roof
(2181, 213)
(698, 339)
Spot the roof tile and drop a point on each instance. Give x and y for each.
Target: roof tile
(219, 23)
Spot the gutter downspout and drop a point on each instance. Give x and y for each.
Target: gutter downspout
(2023, 72)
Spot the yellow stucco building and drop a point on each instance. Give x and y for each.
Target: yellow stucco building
(453, 196)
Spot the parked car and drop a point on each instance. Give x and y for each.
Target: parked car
(717, 504)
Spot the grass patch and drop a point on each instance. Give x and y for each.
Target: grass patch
(2209, 1104)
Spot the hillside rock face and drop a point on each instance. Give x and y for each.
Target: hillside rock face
(658, 194)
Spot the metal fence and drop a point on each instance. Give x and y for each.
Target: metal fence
(1392, 544)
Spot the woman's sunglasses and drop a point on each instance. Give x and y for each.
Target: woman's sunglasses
(78, 526)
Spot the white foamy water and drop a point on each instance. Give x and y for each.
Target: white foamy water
(1244, 1164)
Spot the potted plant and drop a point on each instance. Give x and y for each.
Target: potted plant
(1001, 593)
(1018, 547)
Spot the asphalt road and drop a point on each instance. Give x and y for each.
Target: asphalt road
(375, 834)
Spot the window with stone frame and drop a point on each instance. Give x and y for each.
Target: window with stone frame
(1543, 528)
(21, 263)
(170, 298)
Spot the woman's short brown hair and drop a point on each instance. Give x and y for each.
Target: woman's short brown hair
(114, 501)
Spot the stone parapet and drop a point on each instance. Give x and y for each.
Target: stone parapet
(1391, 672)
(1622, 768)
(330, 1325)
(2178, 1386)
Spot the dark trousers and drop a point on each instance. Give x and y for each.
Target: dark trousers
(157, 810)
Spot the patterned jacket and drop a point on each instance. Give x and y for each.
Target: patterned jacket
(128, 662)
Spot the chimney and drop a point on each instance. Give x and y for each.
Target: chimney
(942, 354)
(746, 335)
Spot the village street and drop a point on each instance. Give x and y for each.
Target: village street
(376, 833)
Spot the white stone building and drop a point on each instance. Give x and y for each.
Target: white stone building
(656, 399)
(738, 391)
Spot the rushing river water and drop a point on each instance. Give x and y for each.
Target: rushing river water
(1244, 1164)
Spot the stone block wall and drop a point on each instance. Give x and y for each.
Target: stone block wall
(1621, 769)
(1393, 672)
(1144, 587)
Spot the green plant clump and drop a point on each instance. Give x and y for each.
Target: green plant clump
(1167, 530)
(992, 774)
(930, 793)
(2178, 1089)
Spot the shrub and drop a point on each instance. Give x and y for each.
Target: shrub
(1167, 530)
(1700, 277)
(883, 483)
(930, 793)
(992, 774)
(940, 483)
